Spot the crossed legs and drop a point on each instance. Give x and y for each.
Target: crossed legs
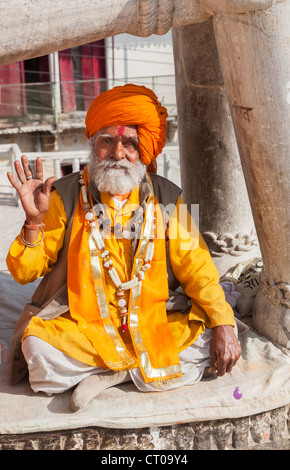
(52, 371)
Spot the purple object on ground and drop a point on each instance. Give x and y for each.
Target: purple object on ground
(237, 394)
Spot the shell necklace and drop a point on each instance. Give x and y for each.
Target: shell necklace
(108, 263)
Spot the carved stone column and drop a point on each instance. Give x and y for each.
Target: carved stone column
(211, 171)
(255, 58)
(28, 24)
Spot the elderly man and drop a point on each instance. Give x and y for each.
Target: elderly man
(111, 242)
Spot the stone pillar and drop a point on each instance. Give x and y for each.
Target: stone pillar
(211, 171)
(255, 59)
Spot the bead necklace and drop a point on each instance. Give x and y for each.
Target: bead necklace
(128, 231)
(108, 263)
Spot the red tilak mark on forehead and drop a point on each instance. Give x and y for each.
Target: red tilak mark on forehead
(121, 130)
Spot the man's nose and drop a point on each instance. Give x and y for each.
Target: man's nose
(118, 151)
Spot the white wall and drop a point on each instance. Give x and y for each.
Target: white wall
(143, 61)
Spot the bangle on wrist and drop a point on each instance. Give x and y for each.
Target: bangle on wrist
(32, 245)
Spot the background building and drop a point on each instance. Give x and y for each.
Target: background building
(43, 101)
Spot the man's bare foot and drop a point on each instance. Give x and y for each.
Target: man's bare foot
(90, 387)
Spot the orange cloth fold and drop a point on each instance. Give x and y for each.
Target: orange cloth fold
(131, 105)
(156, 353)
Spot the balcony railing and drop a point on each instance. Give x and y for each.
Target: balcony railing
(24, 100)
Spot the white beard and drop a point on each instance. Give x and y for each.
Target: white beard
(112, 180)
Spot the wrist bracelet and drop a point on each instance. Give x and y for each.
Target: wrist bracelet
(32, 245)
(33, 227)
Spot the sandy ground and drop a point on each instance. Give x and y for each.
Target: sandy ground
(12, 218)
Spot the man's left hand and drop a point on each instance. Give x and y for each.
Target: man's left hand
(225, 350)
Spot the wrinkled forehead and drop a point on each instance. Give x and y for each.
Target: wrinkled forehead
(123, 130)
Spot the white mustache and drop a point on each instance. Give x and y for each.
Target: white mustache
(116, 164)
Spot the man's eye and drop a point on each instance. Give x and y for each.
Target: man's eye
(106, 141)
(130, 145)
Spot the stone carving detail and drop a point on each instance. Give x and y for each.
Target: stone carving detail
(156, 17)
(266, 430)
(229, 244)
(277, 292)
(93, 21)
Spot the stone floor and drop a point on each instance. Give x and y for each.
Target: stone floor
(265, 431)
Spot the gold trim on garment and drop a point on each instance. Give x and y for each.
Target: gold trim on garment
(151, 373)
(127, 360)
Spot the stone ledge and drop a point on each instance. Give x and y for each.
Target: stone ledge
(268, 431)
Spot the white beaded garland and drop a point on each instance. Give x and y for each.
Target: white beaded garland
(84, 194)
(104, 254)
(122, 303)
(146, 266)
(97, 237)
(89, 216)
(108, 263)
(149, 252)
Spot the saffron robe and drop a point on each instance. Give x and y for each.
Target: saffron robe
(188, 257)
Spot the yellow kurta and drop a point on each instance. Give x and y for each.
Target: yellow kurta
(190, 260)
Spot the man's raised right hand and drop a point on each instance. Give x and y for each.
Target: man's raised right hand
(34, 194)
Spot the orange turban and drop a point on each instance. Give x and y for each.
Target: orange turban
(131, 105)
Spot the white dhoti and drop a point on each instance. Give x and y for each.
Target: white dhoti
(52, 371)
